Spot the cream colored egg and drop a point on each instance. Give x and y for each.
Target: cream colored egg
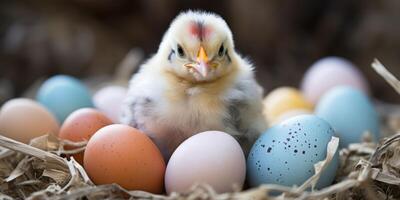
(283, 100)
(24, 119)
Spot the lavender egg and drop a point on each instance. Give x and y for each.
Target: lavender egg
(286, 153)
(328, 73)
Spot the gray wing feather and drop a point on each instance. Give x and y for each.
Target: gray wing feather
(245, 115)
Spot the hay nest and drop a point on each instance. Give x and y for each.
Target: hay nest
(41, 171)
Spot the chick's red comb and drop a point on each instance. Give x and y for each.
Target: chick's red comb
(199, 30)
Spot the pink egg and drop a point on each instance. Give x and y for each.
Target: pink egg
(328, 73)
(109, 100)
(211, 157)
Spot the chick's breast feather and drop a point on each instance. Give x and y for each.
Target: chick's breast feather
(195, 82)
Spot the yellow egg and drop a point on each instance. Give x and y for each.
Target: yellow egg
(283, 100)
(24, 119)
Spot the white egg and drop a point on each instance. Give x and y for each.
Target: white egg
(109, 100)
(211, 157)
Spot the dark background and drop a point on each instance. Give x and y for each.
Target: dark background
(89, 38)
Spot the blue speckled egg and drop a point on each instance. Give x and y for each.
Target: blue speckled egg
(63, 94)
(286, 153)
(350, 113)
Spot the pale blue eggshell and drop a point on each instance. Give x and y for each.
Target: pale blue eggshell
(63, 94)
(350, 113)
(286, 153)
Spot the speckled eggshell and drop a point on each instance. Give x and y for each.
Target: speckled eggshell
(286, 153)
(24, 119)
(328, 73)
(109, 101)
(63, 94)
(351, 114)
(211, 157)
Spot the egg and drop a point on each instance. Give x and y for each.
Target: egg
(286, 153)
(121, 154)
(292, 113)
(63, 94)
(24, 119)
(81, 125)
(328, 73)
(211, 157)
(283, 100)
(351, 114)
(109, 100)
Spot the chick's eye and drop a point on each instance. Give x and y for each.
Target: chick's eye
(221, 51)
(181, 53)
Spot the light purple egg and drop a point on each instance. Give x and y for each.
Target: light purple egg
(210, 157)
(328, 73)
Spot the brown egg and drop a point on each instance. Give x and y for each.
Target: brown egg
(24, 119)
(81, 125)
(123, 155)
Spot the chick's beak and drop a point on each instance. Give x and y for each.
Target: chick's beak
(202, 55)
(201, 65)
(202, 60)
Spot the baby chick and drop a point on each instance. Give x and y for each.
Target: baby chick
(196, 82)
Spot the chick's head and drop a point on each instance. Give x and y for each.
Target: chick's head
(198, 46)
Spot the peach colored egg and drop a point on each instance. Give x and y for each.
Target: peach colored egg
(121, 154)
(24, 119)
(80, 125)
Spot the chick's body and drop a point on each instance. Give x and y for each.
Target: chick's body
(171, 100)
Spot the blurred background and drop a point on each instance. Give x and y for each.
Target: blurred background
(90, 38)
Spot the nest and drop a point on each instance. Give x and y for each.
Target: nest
(41, 171)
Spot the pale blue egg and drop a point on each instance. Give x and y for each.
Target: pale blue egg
(63, 94)
(350, 113)
(286, 153)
